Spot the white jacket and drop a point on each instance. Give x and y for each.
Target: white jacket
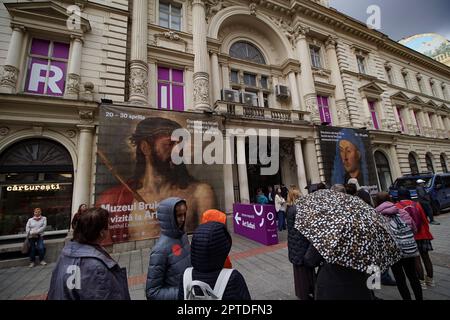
(36, 226)
(280, 203)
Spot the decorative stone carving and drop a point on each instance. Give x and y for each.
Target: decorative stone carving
(286, 27)
(212, 7)
(301, 31)
(313, 108)
(9, 77)
(252, 6)
(73, 84)
(138, 81)
(86, 116)
(71, 134)
(331, 42)
(172, 35)
(201, 89)
(4, 131)
(342, 112)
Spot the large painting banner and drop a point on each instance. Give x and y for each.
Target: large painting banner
(346, 154)
(136, 170)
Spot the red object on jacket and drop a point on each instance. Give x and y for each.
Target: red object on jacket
(423, 233)
(217, 216)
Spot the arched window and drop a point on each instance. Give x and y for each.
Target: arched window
(247, 51)
(413, 164)
(429, 162)
(444, 163)
(35, 173)
(383, 171)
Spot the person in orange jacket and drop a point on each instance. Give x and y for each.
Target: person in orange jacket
(217, 216)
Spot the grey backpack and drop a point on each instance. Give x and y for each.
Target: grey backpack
(207, 293)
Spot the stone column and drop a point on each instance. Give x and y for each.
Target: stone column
(138, 63)
(311, 160)
(215, 77)
(242, 169)
(397, 171)
(306, 76)
(336, 79)
(74, 69)
(201, 74)
(295, 100)
(82, 185)
(301, 174)
(225, 76)
(8, 80)
(228, 174)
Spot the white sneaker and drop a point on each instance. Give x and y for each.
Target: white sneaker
(31, 265)
(429, 281)
(423, 284)
(43, 263)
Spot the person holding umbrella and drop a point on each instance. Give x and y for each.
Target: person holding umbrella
(349, 241)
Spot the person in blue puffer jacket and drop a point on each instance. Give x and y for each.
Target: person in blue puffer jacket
(211, 244)
(171, 254)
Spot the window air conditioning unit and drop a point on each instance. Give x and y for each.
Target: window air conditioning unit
(230, 95)
(249, 98)
(281, 91)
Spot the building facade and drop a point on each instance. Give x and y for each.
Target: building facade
(286, 65)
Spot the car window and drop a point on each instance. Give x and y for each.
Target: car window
(446, 181)
(410, 183)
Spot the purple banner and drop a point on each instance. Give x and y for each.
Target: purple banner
(256, 222)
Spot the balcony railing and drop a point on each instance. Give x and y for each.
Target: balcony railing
(249, 112)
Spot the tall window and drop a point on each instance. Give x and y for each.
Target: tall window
(420, 82)
(324, 109)
(383, 171)
(47, 66)
(373, 114)
(429, 162)
(389, 75)
(250, 79)
(413, 164)
(234, 76)
(444, 163)
(170, 15)
(315, 57)
(399, 115)
(417, 122)
(170, 89)
(406, 79)
(361, 64)
(433, 89)
(264, 82)
(247, 51)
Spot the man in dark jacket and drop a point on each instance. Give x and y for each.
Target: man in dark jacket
(425, 200)
(171, 254)
(211, 244)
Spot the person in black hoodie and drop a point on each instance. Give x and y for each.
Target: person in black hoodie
(211, 244)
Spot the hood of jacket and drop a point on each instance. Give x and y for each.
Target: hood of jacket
(387, 209)
(75, 249)
(167, 219)
(211, 244)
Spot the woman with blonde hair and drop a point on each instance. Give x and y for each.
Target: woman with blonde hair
(297, 247)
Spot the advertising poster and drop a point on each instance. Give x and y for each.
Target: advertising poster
(346, 154)
(136, 171)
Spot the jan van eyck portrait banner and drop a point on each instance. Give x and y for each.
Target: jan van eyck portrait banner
(136, 170)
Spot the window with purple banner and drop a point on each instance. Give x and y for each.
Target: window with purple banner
(47, 66)
(170, 89)
(324, 109)
(399, 114)
(373, 113)
(417, 122)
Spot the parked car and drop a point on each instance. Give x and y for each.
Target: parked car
(437, 185)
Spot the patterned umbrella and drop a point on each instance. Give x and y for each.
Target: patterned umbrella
(346, 231)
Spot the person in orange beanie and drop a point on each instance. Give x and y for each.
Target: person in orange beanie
(217, 216)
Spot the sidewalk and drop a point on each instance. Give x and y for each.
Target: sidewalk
(266, 269)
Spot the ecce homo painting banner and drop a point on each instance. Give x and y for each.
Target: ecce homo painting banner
(135, 170)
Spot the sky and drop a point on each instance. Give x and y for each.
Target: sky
(402, 18)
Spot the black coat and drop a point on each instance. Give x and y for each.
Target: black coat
(211, 244)
(335, 282)
(297, 243)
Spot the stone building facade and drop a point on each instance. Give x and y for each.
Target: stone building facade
(272, 64)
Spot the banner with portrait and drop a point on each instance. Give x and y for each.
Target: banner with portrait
(136, 170)
(346, 154)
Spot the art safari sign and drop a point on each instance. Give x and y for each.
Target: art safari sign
(256, 222)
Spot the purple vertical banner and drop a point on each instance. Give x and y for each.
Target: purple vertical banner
(373, 113)
(56, 78)
(36, 75)
(326, 109)
(256, 222)
(400, 118)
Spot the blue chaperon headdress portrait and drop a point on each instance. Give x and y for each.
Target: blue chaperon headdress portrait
(350, 159)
